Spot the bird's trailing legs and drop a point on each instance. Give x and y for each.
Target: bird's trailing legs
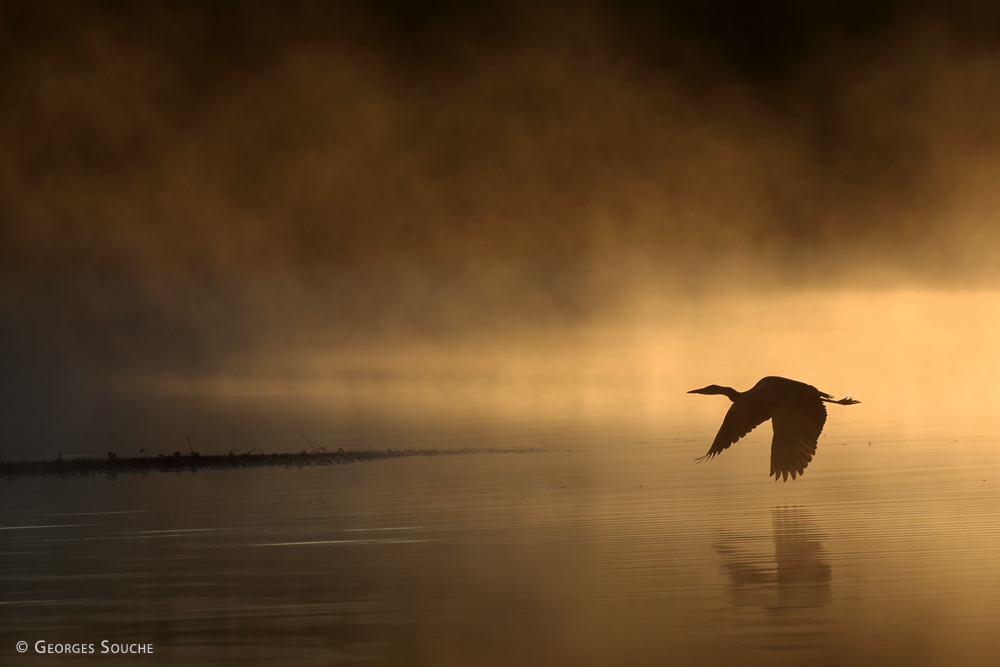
(843, 401)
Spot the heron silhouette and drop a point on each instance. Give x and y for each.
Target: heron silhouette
(797, 413)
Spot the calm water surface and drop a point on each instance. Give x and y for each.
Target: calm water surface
(600, 552)
(609, 547)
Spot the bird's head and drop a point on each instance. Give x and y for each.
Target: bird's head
(729, 392)
(711, 389)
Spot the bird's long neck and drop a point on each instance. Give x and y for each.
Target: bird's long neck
(731, 393)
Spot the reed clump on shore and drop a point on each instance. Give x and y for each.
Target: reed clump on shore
(178, 462)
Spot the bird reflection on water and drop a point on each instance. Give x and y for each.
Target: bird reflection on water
(786, 589)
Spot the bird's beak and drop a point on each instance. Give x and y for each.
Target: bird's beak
(698, 391)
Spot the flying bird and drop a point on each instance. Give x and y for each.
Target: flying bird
(797, 413)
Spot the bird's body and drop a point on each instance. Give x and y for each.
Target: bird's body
(797, 412)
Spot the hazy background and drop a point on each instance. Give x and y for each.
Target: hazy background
(303, 199)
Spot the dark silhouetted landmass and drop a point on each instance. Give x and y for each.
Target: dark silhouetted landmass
(193, 461)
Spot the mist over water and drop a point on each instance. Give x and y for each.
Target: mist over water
(904, 354)
(187, 186)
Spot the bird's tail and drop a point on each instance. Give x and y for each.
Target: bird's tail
(843, 401)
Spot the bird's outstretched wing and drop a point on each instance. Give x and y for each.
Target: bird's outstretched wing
(797, 423)
(743, 417)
